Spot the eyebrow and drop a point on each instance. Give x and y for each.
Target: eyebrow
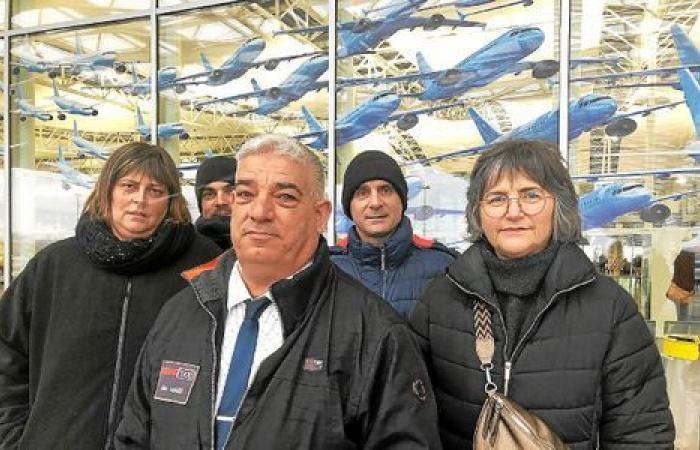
(527, 188)
(277, 186)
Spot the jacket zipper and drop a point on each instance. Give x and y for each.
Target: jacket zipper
(111, 415)
(382, 252)
(508, 364)
(212, 421)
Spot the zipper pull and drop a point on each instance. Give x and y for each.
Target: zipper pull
(383, 258)
(506, 377)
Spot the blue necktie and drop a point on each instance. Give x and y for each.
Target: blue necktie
(239, 369)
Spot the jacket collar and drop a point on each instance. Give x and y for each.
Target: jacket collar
(569, 268)
(396, 248)
(292, 296)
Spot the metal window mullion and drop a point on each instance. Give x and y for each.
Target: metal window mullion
(332, 73)
(564, 43)
(154, 74)
(7, 159)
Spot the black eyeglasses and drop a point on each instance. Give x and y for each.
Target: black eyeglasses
(530, 202)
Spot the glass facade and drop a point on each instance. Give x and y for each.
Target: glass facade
(431, 83)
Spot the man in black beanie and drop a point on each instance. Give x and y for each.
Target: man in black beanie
(381, 250)
(214, 186)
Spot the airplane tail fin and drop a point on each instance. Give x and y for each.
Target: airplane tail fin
(205, 62)
(687, 52)
(256, 87)
(209, 153)
(61, 159)
(311, 120)
(78, 45)
(55, 88)
(423, 65)
(691, 92)
(75, 129)
(139, 117)
(488, 133)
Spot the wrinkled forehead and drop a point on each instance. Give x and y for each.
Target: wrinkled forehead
(273, 169)
(508, 176)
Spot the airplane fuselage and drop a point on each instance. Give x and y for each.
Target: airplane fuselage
(487, 64)
(605, 204)
(26, 109)
(362, 120)
(301, 81)
(238, 64)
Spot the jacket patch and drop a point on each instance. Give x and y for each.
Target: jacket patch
(175, 382)
(312, 365)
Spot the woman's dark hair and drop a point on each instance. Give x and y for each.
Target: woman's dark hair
(137, 157)
(539, 161)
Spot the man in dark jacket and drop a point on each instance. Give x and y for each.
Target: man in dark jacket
(321, 364)
(214, 190)
(381, 250)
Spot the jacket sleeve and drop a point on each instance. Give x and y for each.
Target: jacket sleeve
(15, 326)
(397, 407)
(635, 405)
(134, 430)
(419, 321)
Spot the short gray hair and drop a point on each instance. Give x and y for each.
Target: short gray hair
(291, 148)
(538, 160)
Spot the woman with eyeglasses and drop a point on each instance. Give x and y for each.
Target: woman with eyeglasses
(570, 345)
(74, 320)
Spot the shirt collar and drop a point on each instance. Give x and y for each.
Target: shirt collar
(238, 291)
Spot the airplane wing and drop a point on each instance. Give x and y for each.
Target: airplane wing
(660, 173)
(677, 196)
(646, 111)
(316, 133)
(316, 29)
(417, 112)
(451, 155)
(273, 92)
(271, 63)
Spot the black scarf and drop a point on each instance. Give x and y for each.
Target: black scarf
(106, 251)
(217, 228)
(517, 283)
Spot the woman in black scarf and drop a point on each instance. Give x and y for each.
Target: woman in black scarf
(568, 344)
(72, 323)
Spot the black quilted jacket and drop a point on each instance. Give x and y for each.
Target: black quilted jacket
(587, 365)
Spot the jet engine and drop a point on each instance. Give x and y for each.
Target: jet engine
(434, 22)
(655, 213)
(407, 121)
(621, 127)
(545, 68)
(449, 77)
(274, 93)
(271, 65)
(362, 25)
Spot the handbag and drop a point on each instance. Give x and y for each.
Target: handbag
(502, 423)
(678, 294)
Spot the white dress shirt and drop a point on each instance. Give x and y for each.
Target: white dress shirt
(270, 336)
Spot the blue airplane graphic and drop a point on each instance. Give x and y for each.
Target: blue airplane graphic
(585, 113)
(72, 176)
(235, 66)
(304, 79)
(142, 87)
(25, 109)
(605, 204)
(165, 130)
(75, 64)
(86, 147)
(361, 35)
(68, 106)
(377, 110)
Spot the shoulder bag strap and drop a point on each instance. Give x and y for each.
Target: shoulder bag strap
(483, 339)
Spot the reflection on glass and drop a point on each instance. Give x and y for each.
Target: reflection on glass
(45, 12)
(71, 103)
(226, 75)
(433, 86)
(634, 162)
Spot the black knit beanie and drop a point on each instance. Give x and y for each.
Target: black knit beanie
(372, 165)
(217, 168)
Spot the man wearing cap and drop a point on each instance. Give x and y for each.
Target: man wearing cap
(381, 250)
(214, 189)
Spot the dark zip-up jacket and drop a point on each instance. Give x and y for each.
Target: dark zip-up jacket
(586, 364)
(349, 374)
(70, 334)
(399, 270)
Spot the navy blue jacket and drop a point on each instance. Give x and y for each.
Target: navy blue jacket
(399, 270)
